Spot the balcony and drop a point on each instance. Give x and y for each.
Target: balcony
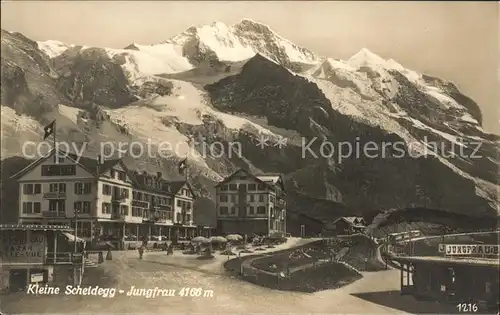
(53, 214)
(54, 195)
(164, 207)
(152, 218)
(140, 204)
(118, 198)
(118, 216)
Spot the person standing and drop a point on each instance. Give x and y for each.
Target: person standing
(141, 251)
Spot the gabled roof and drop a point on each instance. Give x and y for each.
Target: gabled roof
(350, 220)
(175, 186)
(138, 182)
(93, 164)
(168, 187)
(89, 164)
(266, 179)
(44, 158)
(269, 178)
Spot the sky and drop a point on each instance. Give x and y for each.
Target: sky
(456, 41)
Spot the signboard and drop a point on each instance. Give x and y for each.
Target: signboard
(442, 248)
(23, 247)
(470, 249)
(36, 277)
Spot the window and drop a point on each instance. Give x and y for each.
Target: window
(122, 176)
(272, 199)
(261, 186)
(188, 205)
(251, 210)
(27, 207)
(106, 208)
(32, 207)
(251, 197)
(136, 212)
(233, 210)
(112, 174)
(124, 209)
(224, 210)
(224, 188)
(57, 187)
(261, 198)
(223, 198)
(169, 215)
(106, 190)
(188, 218)
(57, 205)
(82, 188)
(178, 218)
(179, 203)
(82, 207)
(233, 198)
(28, 189)
(38, 189)
(261, 210)
(252, 187)
(125, 192)
(233, 187)
(58, 170)
(271, 211)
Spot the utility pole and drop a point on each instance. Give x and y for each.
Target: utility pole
(75, 281)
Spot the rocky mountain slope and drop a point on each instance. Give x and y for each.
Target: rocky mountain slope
(212, 93)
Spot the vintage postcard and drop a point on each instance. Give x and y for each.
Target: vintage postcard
(249, 157)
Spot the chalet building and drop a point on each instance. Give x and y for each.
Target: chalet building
(31, 254)
(469, 281)
(160, 208)
(248, 204)
(345, 226)
(108, 201)
(302, 225)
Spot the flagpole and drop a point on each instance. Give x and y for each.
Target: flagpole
(54, 144)
(186, 170)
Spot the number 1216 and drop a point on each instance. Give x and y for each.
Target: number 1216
(467, 307)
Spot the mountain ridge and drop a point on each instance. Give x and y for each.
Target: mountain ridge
(101, 94)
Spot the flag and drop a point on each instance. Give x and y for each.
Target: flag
(182, 166)
(49, 130)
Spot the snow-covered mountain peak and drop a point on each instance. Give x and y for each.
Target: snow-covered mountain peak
(241, 41)
(53, 48)
(252, 26)
(365, 57)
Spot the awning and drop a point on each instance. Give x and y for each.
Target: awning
(72, 238)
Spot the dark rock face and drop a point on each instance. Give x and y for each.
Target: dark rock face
(262, 38)
(28, 81)
(150, 88)
(291, 102)
(454, 93)
(92, 77)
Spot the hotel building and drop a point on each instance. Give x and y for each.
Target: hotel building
(108, 201)
(248, 204)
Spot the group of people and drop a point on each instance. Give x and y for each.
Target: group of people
(143, 247)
